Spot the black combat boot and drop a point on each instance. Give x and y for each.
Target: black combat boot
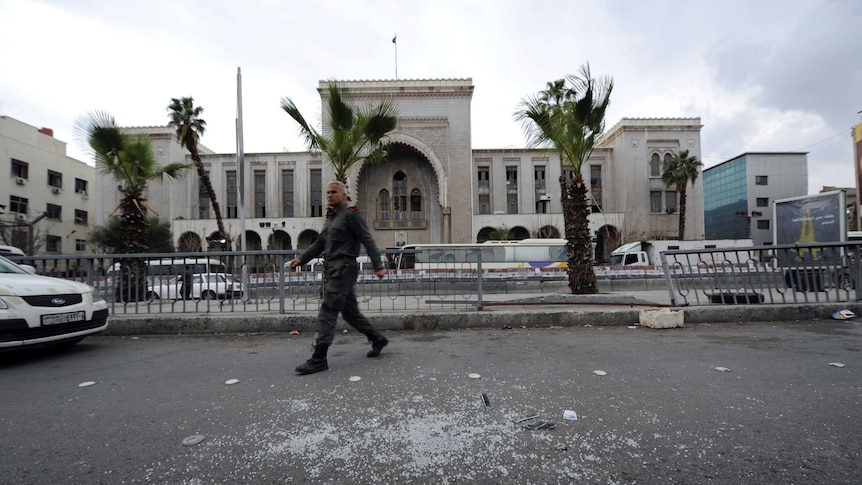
(377, 346)
(317, 362)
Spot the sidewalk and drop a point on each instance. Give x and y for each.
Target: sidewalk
(500, 311)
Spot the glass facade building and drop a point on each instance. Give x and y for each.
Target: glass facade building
(725, 200)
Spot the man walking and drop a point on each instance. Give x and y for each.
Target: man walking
(339, 242)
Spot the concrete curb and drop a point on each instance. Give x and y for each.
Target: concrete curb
(563, 316)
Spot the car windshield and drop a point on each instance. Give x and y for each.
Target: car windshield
(7, 266)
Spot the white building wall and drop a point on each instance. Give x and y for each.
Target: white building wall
(42, 152)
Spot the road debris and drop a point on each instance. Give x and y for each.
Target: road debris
(722, 369)
(354, 378)
(836, 364)
(525, 418)
(600, 373)
(570, 415)
(843, 315)
(541, 425)
(193, 439)
(87, 384)
(231, 382)
(473, 375)
(486, 400)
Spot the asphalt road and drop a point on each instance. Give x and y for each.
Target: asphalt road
(662, 413)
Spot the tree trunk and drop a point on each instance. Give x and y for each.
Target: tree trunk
(682, 197)
(582, 279)
(208, 187)
(133, 284)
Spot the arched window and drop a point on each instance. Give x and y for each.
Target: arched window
(383, 200)
(668, 158)
(655, 166)
(415, 205)
(399, 196)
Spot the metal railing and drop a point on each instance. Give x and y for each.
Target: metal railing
(256, 281)
(780, 274)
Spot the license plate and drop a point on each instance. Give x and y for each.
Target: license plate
(59, 318)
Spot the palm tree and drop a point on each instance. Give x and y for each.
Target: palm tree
(677, 173)
(129, 159)
(355, 133)
(185, 117)
(569, 116)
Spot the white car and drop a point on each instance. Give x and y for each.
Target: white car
(205, 286)
(40, 310)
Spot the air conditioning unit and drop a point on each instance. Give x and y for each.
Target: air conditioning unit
(21, 217)
(55, 190)
(20, 181)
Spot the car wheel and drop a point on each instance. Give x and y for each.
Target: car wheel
(208, 295)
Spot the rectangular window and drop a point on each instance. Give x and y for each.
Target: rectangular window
(230, 179)
(512, 178)
(596, 187)
(52, 244)
(568, 174)
(80, 186)
(763, 223)
(484, 180)
(80, 245)
(761, 180)
(203, 200)
(539, 178)
(670, 202)
(80, 217)
(484, 203)
(287, 193)
(316, 193)
(655, 202)
(763, 202)
(20, 169)
(54, 211)
(55, 179)
(18, 204)
(512, 203)
(260, 193)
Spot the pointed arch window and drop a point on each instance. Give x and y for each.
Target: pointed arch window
(399, 196)
(655, 166)
(416, 205)
(383, 209)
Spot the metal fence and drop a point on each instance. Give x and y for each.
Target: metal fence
(780, 274)
(255, 281)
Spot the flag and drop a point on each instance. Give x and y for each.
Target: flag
(394, 39)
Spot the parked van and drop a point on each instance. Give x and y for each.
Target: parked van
(11, 251)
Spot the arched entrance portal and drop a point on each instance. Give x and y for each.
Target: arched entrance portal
(306, 239)
(189, 242)
(401, 197)
(279, 241)
(607, 239)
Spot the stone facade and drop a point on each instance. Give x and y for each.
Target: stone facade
(446, 192)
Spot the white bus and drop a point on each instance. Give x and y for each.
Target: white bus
(496, 255)
(168, 267)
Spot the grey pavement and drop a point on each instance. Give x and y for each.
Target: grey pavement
(439, 407)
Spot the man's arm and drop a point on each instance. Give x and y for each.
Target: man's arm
(360, 229)
(311, 252)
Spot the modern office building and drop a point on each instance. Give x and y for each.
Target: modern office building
(738, 193)
(434, 187)
(47, 203)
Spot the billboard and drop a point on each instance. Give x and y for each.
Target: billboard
(810, 219)
(857, 150)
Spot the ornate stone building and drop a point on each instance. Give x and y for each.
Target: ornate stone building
(434, 187)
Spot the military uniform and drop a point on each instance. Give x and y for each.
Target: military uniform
(339, 242)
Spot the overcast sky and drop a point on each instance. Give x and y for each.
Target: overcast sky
(762, 75)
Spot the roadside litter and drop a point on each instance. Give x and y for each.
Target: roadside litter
(843, 315)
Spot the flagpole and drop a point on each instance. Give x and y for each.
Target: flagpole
(395, 41)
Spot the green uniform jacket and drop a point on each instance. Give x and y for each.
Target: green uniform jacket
(340, 239)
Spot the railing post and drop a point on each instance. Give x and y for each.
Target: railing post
(479, 281)
(667, 278)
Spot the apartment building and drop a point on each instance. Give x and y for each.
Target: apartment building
(47, 202)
